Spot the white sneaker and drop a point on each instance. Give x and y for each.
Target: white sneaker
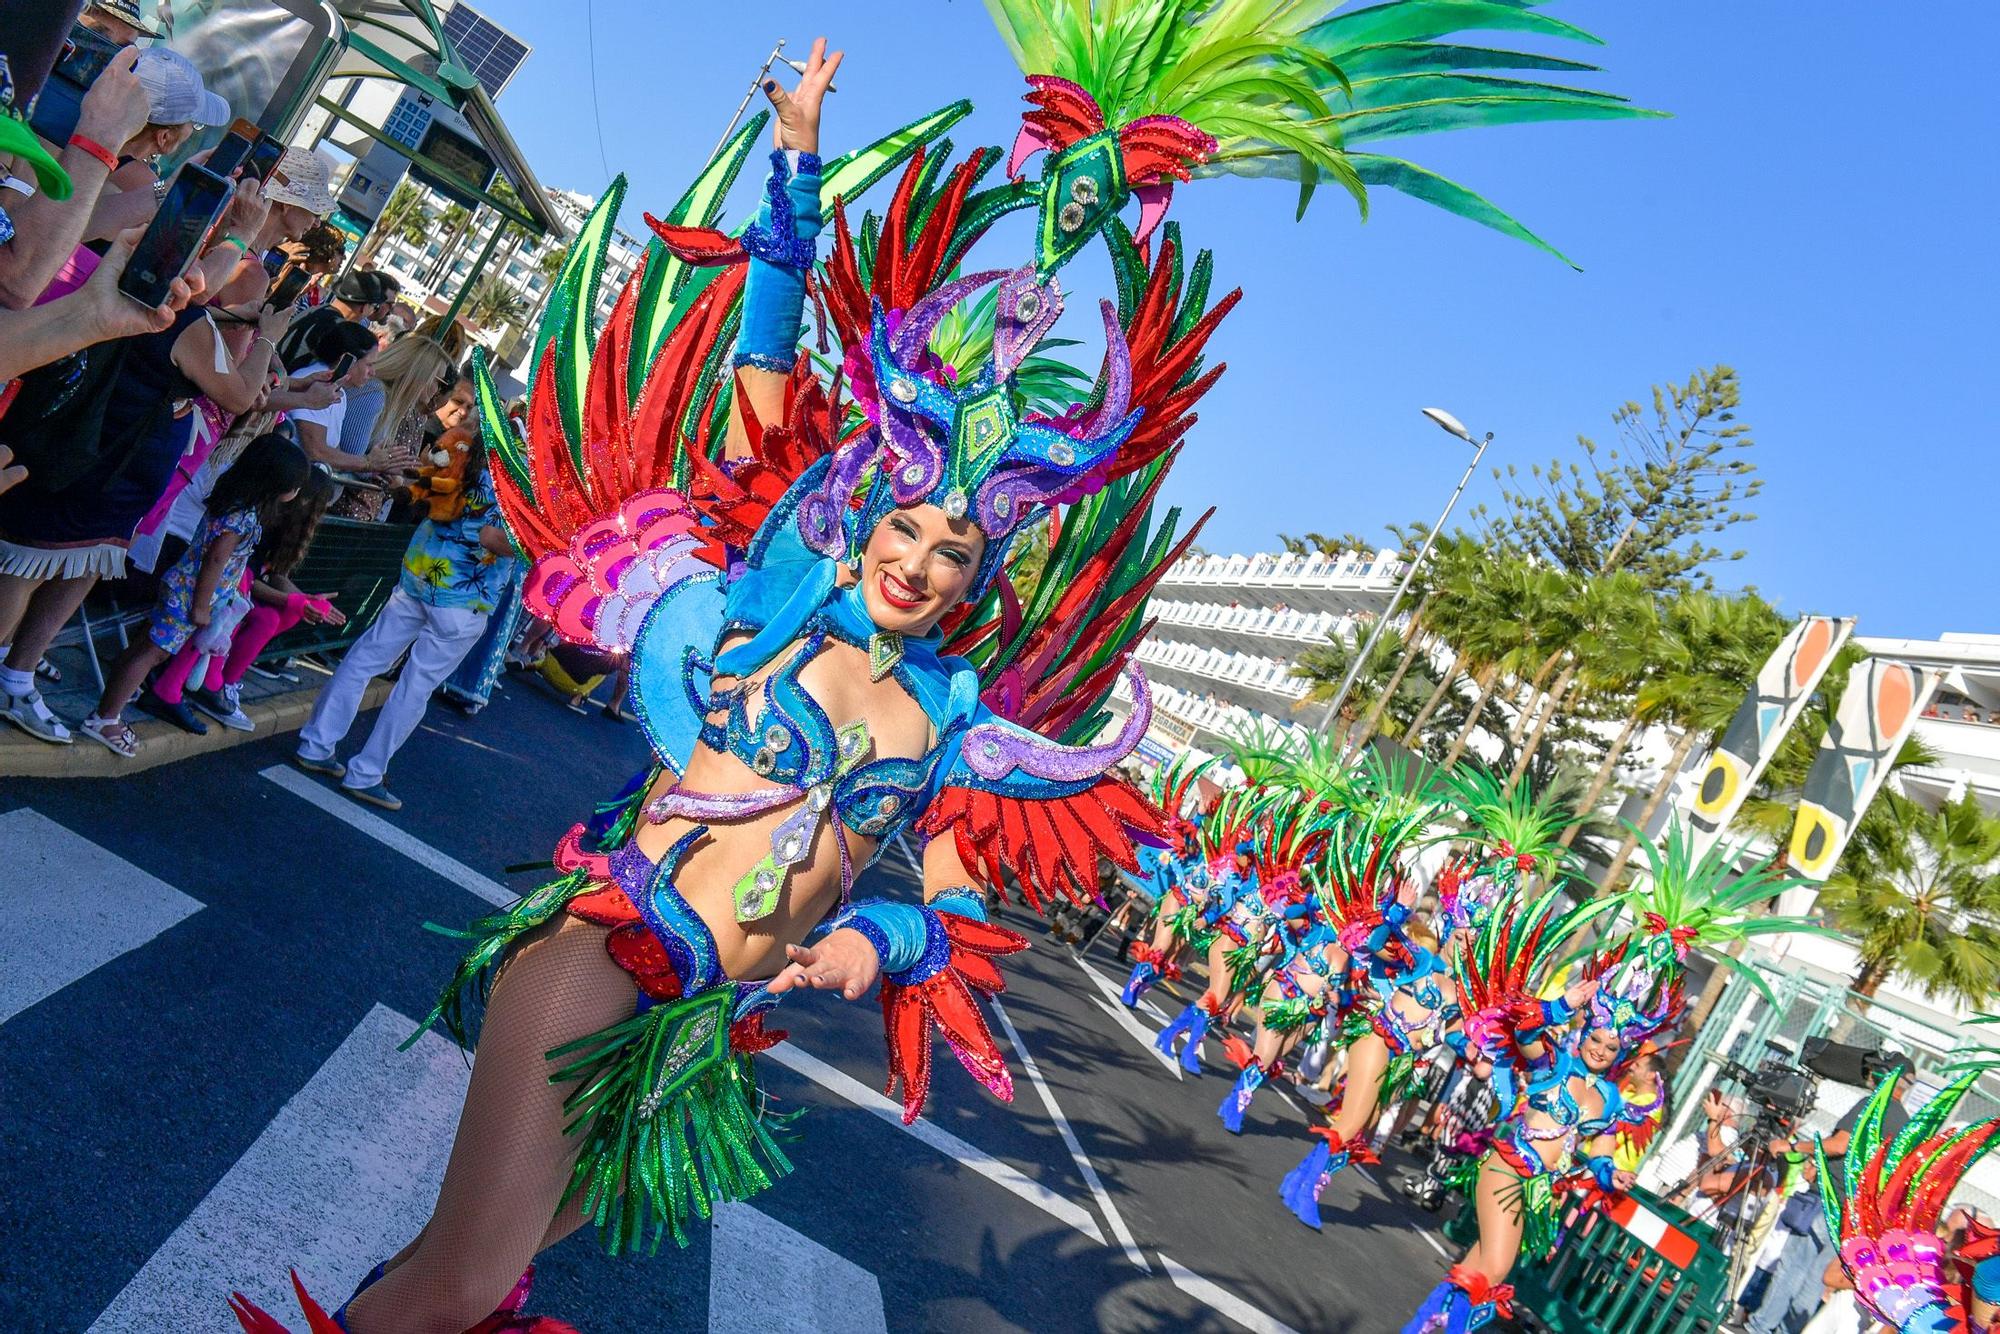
(225, 706)
(32, 716)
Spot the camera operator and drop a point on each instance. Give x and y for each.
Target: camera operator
(1795, 1286)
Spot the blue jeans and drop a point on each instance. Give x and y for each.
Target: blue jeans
(1796, 1282)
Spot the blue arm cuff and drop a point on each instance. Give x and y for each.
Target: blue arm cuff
(1602, 1168)
(781, 250)
(909, 940)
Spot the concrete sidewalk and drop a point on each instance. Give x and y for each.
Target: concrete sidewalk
(276, 705)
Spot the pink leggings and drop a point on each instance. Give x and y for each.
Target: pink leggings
(259, 626)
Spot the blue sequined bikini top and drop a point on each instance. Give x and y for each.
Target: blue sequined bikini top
(815, 767)
(793, 742)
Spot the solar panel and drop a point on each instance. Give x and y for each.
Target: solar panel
(489, 51)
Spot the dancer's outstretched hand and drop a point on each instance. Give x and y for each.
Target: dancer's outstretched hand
(844, 961)
(798, 111)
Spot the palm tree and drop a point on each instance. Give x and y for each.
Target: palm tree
(493, 304)
(1620, 662)
(1606, 609)
(1919, 890)
(1711, 648)
(1428, 584)
(1516, 596)
(1326, 666)
(404, 218)
(453, 222)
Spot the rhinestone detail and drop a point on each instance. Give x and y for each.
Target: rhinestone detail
(1061, 454)
(955, 504)
(1083, 190)
(903, 389)
(778, 739)
(1070, 219)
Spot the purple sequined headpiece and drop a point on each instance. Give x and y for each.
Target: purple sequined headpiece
(966, 448)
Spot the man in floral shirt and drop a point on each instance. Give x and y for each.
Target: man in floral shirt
(454, 572)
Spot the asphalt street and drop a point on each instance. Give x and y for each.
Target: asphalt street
(208, 967)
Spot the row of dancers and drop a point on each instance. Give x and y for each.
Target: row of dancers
(1303, 890)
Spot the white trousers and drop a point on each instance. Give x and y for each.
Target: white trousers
(437, 638)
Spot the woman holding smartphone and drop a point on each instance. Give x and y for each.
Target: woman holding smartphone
(69, 525)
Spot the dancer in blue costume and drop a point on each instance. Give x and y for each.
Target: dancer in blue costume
(1228, 908)
(1303, 992)
(1561, 1108)
(1179, 875)
(784, 602)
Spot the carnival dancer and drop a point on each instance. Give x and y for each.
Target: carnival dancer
(1886, 1207)
(1230, 901)
(1173, 866)
(1367, 897)
(1303, 992)
(1285, 968)
(612, 1084)
(1560, 1104)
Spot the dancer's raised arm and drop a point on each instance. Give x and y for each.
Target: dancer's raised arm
(781, 246)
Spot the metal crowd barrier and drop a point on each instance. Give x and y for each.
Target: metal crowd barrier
(359, 563)
(1642, 1266)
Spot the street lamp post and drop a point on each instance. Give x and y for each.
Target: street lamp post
(1454, 426)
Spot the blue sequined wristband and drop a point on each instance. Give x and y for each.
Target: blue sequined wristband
(781, 249)
(899, 932)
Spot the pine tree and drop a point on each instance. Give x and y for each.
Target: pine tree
(1678, 473)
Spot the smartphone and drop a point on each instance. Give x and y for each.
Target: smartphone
(229, 154)
(60, 103)
(172, 241)
(264, 157)
(285, 291)
(342, 366)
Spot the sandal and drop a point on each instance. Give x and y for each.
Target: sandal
(113, 734)
(49, 672)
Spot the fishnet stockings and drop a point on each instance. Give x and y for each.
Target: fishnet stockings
(510, 1161)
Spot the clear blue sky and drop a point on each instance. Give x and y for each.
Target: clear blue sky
(1818, 214)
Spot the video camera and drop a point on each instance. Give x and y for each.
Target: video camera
(1778, 1088)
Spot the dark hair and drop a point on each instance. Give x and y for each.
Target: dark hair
(390, 287)
(338, 338)
(290, 531)
(269, 467)
(324, 243)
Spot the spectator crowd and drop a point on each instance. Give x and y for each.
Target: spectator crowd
(175, 464)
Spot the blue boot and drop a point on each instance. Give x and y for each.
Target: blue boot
(1237, 1100)
(374, 1277)
(1436, 1313)
(1180, 1024)
(1302, 1185)
(1463, 1304)
(1191, 1054)
(1143, 977)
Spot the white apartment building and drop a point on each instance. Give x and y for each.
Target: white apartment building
(1232, 627)
(432, 272)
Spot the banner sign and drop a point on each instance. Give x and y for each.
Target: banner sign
(1773, 705)
(1877, 714)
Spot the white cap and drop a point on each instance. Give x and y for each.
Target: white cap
(305, 176)
(175, 94)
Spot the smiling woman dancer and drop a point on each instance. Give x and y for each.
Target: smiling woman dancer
(784, 612)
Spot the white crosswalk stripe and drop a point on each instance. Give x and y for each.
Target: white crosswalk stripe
(70, 907)
(340, 1179)
(766, 1278)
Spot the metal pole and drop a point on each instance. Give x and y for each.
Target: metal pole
(1382, 621)
(500, 224)
(756, 83)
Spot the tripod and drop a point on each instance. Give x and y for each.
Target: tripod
(1751, 1190)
